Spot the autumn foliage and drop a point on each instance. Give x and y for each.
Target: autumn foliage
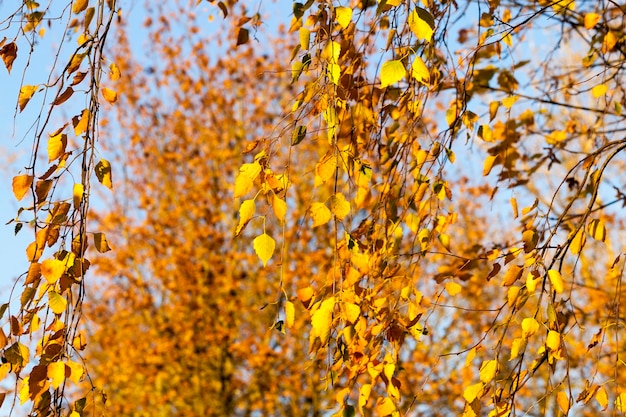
(336, 208)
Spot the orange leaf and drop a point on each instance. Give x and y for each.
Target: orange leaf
(21, 185)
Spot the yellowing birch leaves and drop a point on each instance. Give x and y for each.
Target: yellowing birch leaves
(264, 247)
(339, 206)
(322, 318)
(26, 93)
(391, 72)
(556, 280)
(320, 214)
(421, 23)
(21, 185)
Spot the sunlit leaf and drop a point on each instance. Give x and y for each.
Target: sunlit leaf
(290, 311)
(419, 71)
(339, 206)
(56, 146)
(391, 72)
(321, 319)
(57, 302)
(556, 280)
(114, 72)
(553, 341)
(56, 373)
(473, 391)
(529, 327)
(101, 243)
(563, 401)
(52, 270)
(109, 95)
(79, 5)
(578, 242)
(385, 407)
(599, 90)
(8, 53)
(21, 185)
(305, 36)
(453, 288)
(81, 122)
(246, 212)
(77, 194)
(591, 19)
(103, 173)
(26, 93)
(422, 24)
(264, 247)
(597, 230)
(331, 52)
(320, 214)
(602, 398)
(280, 208)
(325, 169)
(344, 16)
(488, 164)
(488, 370)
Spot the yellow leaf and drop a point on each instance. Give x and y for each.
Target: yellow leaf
(322, 319)
(103, 173)
(109, 95)
(620, 402)
(246, 212)
(52, 270)
(591, 19)
(421, 24)
(420, 72)
(508, 102)
(364, 395)
(531, 282)
(512, 274)
(473, 391)
(488, 165)
(518, 345)
(602, 398)
(578, 242)
(264, 247)
(391, 72)
(56, 146)
(599, 90)
(453, 288)
(280, 208)
(334, 72)
(563, 401)
(76, 371)
(514, 207)
(81, 122)
(339, 206)
(488, 371)
(553, 340)
(597, 230)
(320, 214)
(325, 169)
(57, 302)
(114, 73)
(385, 407)
(26, 92)
(529, 327)
(56, 373)
(24, 391)
(331, 52)
(243, 185)
(101, 243)
(77, 194)
(351, 312)
(79, 6)
(609, 42)
(493, 110)
(330, 116)
(344, 16)
(290, 314)
(21, 185)
(556, 280)
(305, 37)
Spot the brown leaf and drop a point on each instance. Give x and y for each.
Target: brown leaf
(9, 53)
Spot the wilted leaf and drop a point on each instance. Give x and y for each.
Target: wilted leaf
(100, 242)
(64, 96)
(243, 36)
(9, 53)
(264, 247)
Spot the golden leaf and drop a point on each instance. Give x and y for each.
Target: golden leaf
(321, 320)
(364, 395)
(21, 185)
(246, 212)
(290, 313)
(453, 288)
(529, 327)
(488, 165)
(114, 73)
(305, 37)
(79, 6)
(420, 72)
(56, 374)
(52, 270)
(473, 391)
(597, 230)
(344, 16)
(512, 274)
(57, 302)
(109, 95)
(599, 90)
(556, 280)
(76, 371)
(320, 214)
(331, 52)
(103, 173)
(488, 370)
(553, 341)
(591, 19)
(602, 398)
(101, 243)
(26, 92)
(77, 194)
(81, 122)
(421, 24)
(325, 168)
(264, 247)
(563, 401)
(391, 72)
(56, 146)
(578, 242)
(385, 407)
(518, 345)
(339, 206)
(280, 208)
